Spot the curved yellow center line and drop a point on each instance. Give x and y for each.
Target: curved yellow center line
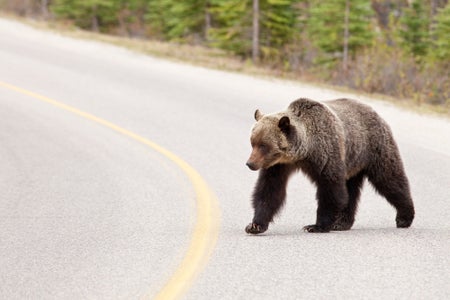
(206, 228)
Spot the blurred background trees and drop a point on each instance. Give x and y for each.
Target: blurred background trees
(395, 47)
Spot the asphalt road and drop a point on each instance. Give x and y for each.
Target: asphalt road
(89, 213)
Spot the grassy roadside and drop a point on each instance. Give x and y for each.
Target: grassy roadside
(214, 59)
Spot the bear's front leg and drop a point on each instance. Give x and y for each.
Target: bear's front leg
(269, 196)
(332, 199)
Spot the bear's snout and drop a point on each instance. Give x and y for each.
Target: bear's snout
(252, 166)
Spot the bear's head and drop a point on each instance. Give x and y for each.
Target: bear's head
(269, 140)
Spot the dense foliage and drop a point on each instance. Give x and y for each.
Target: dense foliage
(396, 47)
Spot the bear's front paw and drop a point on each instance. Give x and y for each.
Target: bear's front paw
(403, 222)
(315, 228)
(255, 228)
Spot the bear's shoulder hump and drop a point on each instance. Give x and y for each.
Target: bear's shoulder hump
(302, 105)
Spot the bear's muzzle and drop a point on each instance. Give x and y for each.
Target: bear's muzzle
(252, 166)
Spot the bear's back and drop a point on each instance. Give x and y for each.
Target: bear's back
(356, 116)
(365, 131)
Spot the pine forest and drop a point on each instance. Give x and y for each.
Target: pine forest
(399, 48)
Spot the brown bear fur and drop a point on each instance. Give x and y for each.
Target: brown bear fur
(337, 144)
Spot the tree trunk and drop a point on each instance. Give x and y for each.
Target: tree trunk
(346, 35)
(44, 9)
(94, 20)
(255, 39)
(207, 21)
(383, 10)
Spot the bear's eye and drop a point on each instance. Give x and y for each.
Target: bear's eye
(263, 148)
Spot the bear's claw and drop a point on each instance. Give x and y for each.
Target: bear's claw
(255, 228)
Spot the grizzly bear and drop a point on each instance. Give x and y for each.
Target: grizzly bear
(337, 144)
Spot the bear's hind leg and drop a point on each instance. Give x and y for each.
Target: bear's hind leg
(269, 196)
(393, 185)
(346, 218)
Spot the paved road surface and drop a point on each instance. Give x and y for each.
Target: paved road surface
(86, 212)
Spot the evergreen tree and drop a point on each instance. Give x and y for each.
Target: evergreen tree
(278, 26)
(178, 20)
(130, 16)
(97, 15)
(415, 32)
(441, 42)
(232, 26)
(327, 26)
(157, 18)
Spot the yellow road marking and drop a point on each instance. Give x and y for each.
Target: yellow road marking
(206, 228)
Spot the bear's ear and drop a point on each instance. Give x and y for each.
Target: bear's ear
(284, 124)
(258, 115)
